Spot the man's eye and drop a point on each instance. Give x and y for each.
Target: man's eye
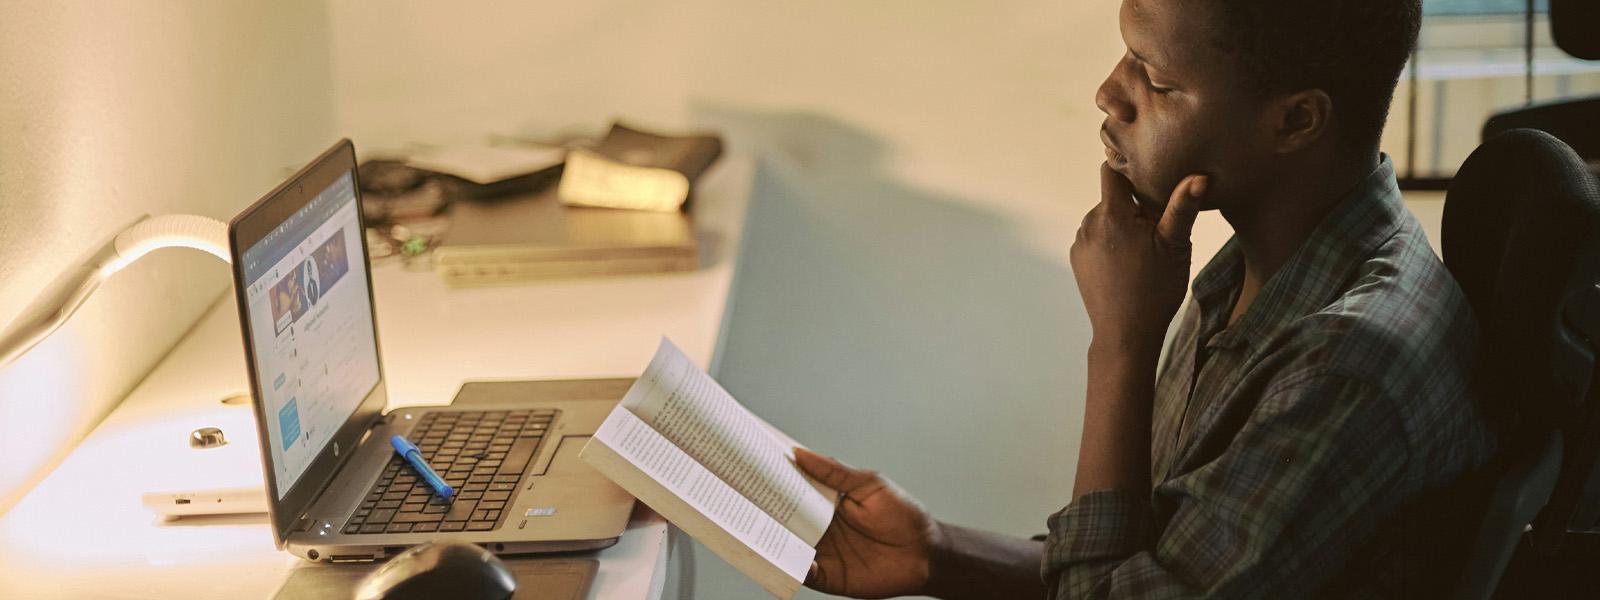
(1145, 75)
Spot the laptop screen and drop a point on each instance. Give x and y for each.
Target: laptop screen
(316, 355)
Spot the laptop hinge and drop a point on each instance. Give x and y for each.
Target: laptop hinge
(303, 524)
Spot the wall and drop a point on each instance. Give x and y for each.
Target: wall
(111, 110)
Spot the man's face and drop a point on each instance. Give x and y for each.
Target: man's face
(1175, 106)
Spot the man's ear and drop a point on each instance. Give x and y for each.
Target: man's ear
(1300, 119)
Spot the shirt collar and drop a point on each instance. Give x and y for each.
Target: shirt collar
(1313, 276)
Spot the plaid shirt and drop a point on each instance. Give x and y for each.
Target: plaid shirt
(1313, 448)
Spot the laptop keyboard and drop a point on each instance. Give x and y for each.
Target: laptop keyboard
(483, 455)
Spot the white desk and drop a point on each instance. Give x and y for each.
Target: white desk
(82, 533)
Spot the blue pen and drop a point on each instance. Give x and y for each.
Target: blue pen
(409, 451)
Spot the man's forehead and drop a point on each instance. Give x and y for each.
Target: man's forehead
(1162, 32)
(1143, 10)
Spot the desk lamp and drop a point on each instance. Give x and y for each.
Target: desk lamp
(69, 291)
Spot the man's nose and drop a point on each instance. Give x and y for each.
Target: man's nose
(1110, 101)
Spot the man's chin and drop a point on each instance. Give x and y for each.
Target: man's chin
(1122, 167)
(1140, 189)
(1148, 202)
(1158, 203)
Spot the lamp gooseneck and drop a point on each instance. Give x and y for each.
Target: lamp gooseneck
(71, 289)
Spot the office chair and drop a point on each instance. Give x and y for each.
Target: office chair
(1522, 237)
(1575, 28)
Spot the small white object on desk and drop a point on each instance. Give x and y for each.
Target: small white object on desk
(590, 179)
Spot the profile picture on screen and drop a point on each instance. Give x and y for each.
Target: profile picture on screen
(310, 283)
(331, 262)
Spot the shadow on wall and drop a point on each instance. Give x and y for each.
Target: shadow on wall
(899, 329)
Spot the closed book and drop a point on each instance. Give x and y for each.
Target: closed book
(535, 236)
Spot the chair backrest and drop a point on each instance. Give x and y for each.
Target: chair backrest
(1522, 238)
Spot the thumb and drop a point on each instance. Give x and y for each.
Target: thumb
(831, 472)
(1177, 221)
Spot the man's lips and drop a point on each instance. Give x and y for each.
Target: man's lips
(1114, 157)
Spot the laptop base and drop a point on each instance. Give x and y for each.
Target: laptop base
(561, 504)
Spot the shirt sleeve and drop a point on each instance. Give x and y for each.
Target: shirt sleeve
(1308, 477)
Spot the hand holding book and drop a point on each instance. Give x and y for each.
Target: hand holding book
(881, 541)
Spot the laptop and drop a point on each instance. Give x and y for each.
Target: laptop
(336, 490)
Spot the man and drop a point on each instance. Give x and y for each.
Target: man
(1312, 423)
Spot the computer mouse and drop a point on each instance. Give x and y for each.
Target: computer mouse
(440, 570)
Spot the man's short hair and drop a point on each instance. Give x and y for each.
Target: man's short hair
(1352, 49)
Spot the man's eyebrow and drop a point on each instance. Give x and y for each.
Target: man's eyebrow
(1143, 59)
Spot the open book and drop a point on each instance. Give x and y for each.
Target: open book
(683, 445)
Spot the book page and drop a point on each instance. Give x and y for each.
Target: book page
(688, 407)
(641, 445)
